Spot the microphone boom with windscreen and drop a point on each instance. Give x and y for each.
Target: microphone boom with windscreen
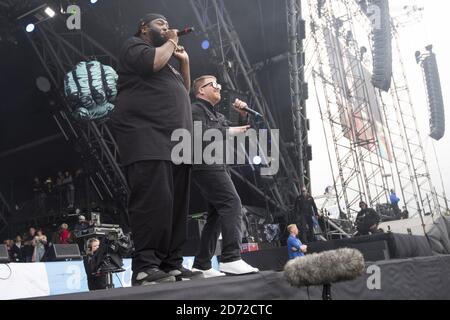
(325, 268)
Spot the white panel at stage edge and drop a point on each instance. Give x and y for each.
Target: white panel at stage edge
(23, 280)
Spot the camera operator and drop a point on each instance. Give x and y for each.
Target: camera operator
(95, 282)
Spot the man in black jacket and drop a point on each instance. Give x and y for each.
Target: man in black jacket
(367, 220)
(216, 186)
(95, 281)
(306, 208)
(152, 102)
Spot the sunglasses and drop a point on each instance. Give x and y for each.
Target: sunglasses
(214, 84)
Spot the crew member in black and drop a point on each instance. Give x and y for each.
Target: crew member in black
(306, 208)
(95, 281)
(216, 186)
(367, 220)
(152, 102)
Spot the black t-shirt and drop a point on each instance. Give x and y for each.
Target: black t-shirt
(150, 105)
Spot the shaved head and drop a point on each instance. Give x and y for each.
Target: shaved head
(201, 81)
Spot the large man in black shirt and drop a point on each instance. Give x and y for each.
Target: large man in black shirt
(152, 102)
(216, 186)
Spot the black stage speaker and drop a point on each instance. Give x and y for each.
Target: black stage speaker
(4, 256)
(373, 248)
(382, 46)
(63, 252)
(435, 99)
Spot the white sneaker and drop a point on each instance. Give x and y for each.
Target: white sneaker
(210, 273)
(237, 267)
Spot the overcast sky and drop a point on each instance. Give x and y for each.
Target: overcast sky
(433, 28)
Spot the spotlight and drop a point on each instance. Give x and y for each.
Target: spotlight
(35, 16)
(30, 27)
(93, 1)
(205, 44)
(257, 160)
(49, 11)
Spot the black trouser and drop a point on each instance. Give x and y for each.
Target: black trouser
(397, 211)
(158, 208)
(306, 233)
(224, 214)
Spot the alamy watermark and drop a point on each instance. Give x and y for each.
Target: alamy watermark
(73, 22)
(227, 148)
(374, 280)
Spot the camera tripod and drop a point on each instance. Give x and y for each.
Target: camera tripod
(109, 277)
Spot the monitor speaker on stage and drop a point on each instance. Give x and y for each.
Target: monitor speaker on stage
(4, 256)
(63, 252)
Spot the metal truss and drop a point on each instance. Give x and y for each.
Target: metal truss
(4, 213)
(298, 88)
(419, 186)
(401, 167)
(408, 167)
(237, 72)
(401, 170)
(404, 177)
(402, 96)
(348, 181)
(58, 53)
(365, 110)
(349, 118)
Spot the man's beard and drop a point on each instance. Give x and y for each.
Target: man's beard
(157, 38)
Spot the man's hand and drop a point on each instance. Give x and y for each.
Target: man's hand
(172, 35)
(239, 105)
(238, 130)
(303, 248)
(181, 54)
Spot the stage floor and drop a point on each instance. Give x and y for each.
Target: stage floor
(421, 278)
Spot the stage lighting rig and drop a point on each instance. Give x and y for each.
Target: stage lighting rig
(36, 15)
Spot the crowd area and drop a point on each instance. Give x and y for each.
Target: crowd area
(55, 193)
(34, 244)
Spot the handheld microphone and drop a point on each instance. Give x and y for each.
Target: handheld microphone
(325, 268)
(185, 31)
(252, 112)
